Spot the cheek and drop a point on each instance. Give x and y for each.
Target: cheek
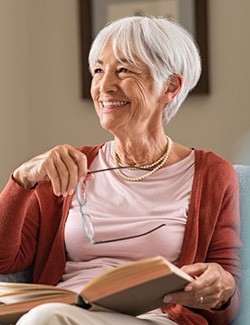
(140, 98)
(94, 96)
(93, 90)
(95, 87)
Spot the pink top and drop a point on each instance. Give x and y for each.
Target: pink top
(165, 201)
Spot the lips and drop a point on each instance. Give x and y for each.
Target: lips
(114, 104)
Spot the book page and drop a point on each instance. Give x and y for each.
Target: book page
(129, 275)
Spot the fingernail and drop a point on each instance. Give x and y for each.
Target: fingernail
(188, 288)
(65, 194)
(167, 299)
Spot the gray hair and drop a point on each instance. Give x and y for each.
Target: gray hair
(163, 45)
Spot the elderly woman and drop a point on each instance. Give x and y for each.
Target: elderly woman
(142, 68)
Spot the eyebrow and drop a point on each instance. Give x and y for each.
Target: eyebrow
(118, 61)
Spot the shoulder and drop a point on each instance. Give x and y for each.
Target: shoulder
(90, 151)
(214, 168)
(205, 161)
(211, 159)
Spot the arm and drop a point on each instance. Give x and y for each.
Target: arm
(217, 276)
(19, 222)
(63, 166)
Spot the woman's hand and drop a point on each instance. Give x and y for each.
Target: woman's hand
(212, 288)
(63, 165)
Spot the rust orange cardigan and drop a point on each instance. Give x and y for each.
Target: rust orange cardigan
(32, 231)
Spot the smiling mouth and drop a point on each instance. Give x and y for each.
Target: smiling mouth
(114, 104)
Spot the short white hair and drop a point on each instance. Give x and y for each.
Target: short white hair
(163, 45)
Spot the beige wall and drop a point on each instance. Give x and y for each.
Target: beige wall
(13, 86)
(41, 105)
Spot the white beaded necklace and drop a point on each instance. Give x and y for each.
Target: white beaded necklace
(157, 164)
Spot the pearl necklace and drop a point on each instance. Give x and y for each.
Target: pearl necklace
(157, 164)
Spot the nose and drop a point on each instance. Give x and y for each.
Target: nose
(109, 82)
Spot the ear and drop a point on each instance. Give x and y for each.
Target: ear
(172, 87)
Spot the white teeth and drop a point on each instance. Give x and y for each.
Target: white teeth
(113, 103)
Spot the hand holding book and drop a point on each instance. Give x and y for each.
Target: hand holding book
(212, 287)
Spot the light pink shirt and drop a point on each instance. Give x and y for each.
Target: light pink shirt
(119, 208)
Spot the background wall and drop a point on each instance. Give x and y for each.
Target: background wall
(14, 99)
(40, 95)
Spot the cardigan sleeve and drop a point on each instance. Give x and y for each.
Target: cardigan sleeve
(31, 228)
(19, 224)
(212, 233)
(225, 241)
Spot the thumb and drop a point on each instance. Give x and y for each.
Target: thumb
(195, 269)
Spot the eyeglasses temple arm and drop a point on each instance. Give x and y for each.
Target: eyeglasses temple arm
(113, 168)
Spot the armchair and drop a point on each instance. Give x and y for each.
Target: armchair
(244, 183)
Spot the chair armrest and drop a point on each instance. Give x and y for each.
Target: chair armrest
(24, 276)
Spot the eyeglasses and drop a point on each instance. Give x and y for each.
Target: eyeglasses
(87, 225)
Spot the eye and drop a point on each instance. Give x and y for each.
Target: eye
(123, 70)
(97, 70)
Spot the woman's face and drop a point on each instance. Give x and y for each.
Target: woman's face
(124, 95)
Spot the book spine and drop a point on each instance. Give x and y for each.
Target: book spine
(82, 303)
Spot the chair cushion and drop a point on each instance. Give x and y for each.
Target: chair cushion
(244, 185)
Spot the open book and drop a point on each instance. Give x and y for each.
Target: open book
(133, 288)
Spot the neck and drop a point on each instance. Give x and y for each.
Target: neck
(153, 167)
(140, 152)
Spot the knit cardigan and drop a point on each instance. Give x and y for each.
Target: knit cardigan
(32, 231)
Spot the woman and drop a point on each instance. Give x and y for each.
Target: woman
(143, 68)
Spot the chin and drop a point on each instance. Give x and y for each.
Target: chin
(107, 123)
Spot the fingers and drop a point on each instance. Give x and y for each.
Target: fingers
(189, 299)
(63, 165)
(80, 161)
(212, 287)
(209, 284)
(195, 269)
